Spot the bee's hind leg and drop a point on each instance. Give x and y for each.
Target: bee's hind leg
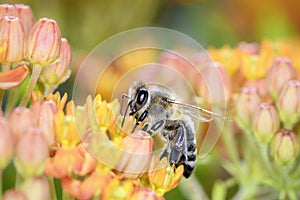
(183, 148)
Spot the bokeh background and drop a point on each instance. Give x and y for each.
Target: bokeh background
(85, 23)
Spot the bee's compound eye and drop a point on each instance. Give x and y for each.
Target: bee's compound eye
(142, 97)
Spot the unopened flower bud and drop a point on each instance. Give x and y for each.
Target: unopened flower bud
(12, 37)
(246, 103)
(56, 74)
(6, 143)
(25, 14)
(36, 188)
(43, 42)
(284, 147)
(280, 72)
(20, 119)
(32, 153)
(288, 103)
(14, 194)
(265, 123)
(43, 118)
(7, 10)
(136, 155)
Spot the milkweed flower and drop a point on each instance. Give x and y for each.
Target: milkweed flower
(53, 75)
(288, 103)
(279, 74)
(14, 194)
(25, 14)
(32, 152)
(12, 37)
(284, 147)
(43, 42)
(43, 118)
(246, 103)
(7, 10)
(36, 188)
(136, 155)
(20, 119)
(265, 123)
(14, 77)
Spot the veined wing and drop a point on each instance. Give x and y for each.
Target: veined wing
(196, 112)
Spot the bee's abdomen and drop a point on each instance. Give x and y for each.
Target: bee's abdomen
(191, 153)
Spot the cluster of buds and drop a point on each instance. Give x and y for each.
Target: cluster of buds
(29, 46)
(26, 138)
(267, 112)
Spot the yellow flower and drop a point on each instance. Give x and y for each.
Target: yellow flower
(162, 176)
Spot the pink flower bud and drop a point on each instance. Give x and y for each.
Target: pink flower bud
(288, 103)
(246, 103)
(36, 188)
(43, 42)
(136, 156)
(265, 123)
(32, 153)
(6, 143)
(20, 119)
(280, 72)
(43, 118)
(7, 10)
(284, 147)
(14, 194)
(25, 13)
(12, 36)
(56, 74)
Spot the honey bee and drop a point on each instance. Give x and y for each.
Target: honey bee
(160, 111)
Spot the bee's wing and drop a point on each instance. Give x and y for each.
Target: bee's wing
(196, 113)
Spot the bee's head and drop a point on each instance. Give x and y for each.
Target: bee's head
(140, 97)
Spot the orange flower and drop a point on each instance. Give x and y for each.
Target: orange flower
(136, 155)
(162, 176)
(14, 77)
(43, 117)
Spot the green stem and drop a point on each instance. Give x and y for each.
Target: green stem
(192, 189)
(52, 188)
(4, 68)
(266, 161)
(1, 189)
(292, 195)
(19, 180)
(36, 70)
(227, 137)
(11, 100)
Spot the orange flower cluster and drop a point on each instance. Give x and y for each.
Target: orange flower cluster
(94, 157)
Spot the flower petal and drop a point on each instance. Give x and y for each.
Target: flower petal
(14, 77)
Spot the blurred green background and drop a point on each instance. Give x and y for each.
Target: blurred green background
(85, 23)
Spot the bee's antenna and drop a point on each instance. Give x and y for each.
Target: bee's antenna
(126, 110)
